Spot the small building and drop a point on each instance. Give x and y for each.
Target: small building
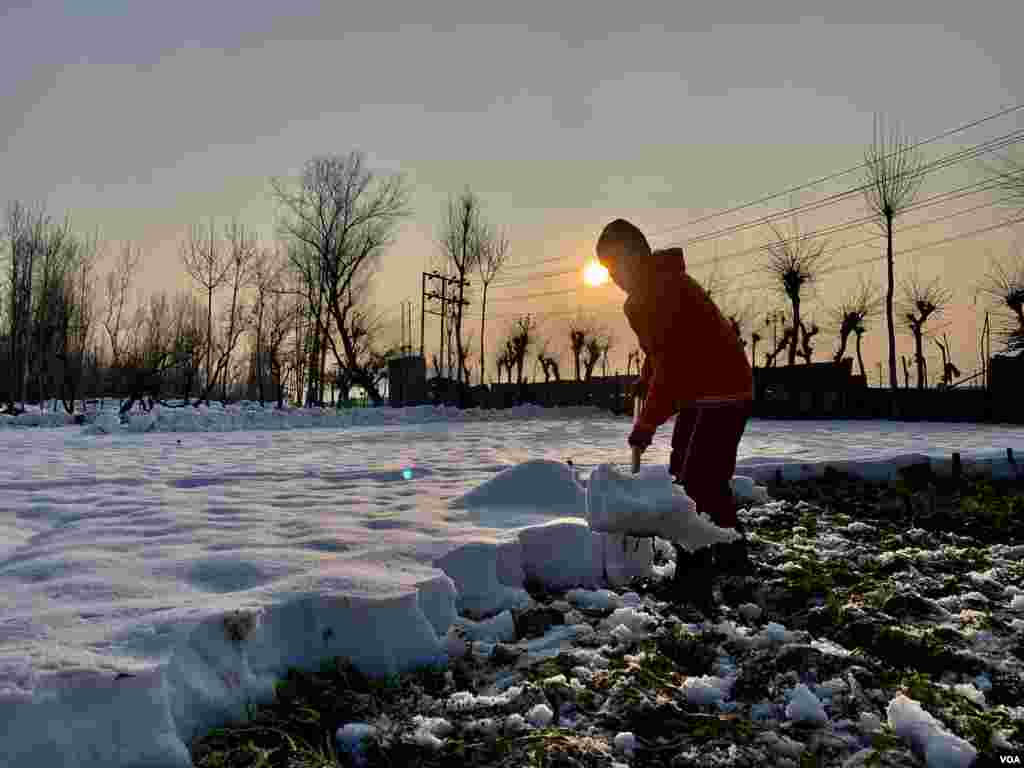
(407, 380)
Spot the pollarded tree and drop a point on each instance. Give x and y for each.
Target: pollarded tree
(854, 308)
(582, 330)
(920, 302)
(894, 173)
(522, 337)
(806, 334)
(794, 262)
(1004, 287)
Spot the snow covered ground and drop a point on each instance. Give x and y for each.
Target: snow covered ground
(158, 575)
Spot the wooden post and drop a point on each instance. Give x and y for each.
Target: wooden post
(957, 469)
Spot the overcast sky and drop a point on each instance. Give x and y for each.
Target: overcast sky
(144, 118)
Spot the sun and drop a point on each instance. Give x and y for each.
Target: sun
(595, 274)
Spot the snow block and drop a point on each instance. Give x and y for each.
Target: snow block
(648, 504)
(927, 736)
(437, 601)
(625, 557)
(510, 563)
(562, 555)
(474, 569)
(541, 484)
(92, 719)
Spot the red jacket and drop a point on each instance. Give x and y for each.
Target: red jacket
(692, 353)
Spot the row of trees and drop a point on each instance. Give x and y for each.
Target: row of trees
(294, 303)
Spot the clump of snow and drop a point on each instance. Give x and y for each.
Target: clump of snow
(805, 707)
(594, 600)
(625, 742)
(648, 504)
(540, 715)
(706, 690)
(940, 748)
(497, 629)
(1017, 604)
(552, 485)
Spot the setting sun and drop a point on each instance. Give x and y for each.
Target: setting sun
(595, 274)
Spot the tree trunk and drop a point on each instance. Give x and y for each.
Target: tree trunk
(483, 315)
(796, 329)
(919, 358)
(893, 383)
(860, 359)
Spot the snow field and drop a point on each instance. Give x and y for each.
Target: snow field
(130, 709)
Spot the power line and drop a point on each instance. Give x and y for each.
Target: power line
(939, 164)
(829, 270)
(837, 174)
(1000, 142)
(835, 228)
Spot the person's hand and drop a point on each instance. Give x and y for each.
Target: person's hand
(637, 453)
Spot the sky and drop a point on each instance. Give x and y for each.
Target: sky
(140, 120)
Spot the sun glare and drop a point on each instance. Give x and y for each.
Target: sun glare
(595, 274)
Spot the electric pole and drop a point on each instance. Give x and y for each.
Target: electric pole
(445, 311)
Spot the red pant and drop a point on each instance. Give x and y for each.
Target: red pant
(703, 459)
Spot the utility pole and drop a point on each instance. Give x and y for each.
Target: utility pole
(879, 374)
(445, 311)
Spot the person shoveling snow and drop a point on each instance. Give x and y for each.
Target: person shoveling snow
(694, 367)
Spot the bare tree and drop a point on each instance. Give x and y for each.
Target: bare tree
(25, 234)
(920, 302)
(949, 371)
(188, 341)
(581, 330)
(240, 254)
(57, 253)
(1004, 287)
(787, 337)
(347, 216)
(592, 354)
(893, 178)
(494, 252)
(75, 320)
(806, 350)
(116, 321)
(462, 238)
(853, 309)
(794, 262)
(1009, 179)
(266, 280)
(205, 263)
(859, 331)
(521, 339)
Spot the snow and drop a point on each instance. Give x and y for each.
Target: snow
(805, 707)
(158, 576)
(940, 748)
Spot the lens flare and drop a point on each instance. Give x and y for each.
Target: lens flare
(595, 274)
(407, 474)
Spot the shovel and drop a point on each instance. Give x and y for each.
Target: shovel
(638, 406)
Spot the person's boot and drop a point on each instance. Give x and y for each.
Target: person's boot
(693, 578)
(733, 557)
